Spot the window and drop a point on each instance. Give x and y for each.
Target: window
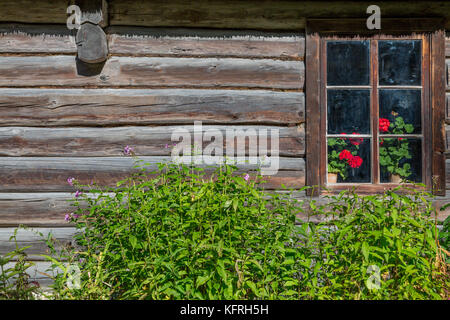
(374, 108)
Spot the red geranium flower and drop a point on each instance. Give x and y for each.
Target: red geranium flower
(345, 154)
(384, 124)
(356, 141)
(355, 162)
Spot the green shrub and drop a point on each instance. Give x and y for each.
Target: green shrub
(378, 247)
(179, 234)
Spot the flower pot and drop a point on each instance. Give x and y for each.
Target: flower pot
(332, 178)
(394, 178)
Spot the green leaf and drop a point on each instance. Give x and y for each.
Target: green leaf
(365, 250)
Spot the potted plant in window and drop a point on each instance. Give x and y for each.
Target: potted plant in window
(394, 150)
(342, 157)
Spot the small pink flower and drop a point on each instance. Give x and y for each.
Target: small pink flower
(70, 181)
(128, 150)
(166, 146)
(78, 193)
(246, 177)
(67, 217)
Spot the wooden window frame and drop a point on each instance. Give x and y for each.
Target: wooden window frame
(432, 33)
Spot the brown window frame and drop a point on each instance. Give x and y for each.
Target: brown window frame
(432, 33)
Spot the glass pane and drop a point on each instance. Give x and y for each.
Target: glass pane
(348, 160)
(348, 111)
(400, 111)
(400, 159)
(400, 62)
(348, 63)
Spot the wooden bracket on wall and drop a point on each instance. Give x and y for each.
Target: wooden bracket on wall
(91, 40)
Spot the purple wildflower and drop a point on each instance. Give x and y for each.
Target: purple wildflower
(166, 146)
(67, 217)
(128, 150)
(246, 177)
(78, 193)
(75, 216)
(70, 181)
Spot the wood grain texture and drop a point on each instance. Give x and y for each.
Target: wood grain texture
(147, 72)
(438, 81)
(206, 43)
(34, 237)
(115, 107)
(80, 142)
(257, 14)
(35, 209)
(134, 41)
(25, 174)
(313, 134)
(220, 14)
(30, 11)
(20, 38)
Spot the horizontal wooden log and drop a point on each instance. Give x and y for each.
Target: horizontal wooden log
(146, 141)
(288, 15)
(256, 14)
(107, 107)
(48, 174)
(188, 42)
(34, 209)
(153, 72)
(17, 38)
(35, 237)
(30, 11)
(134, 41)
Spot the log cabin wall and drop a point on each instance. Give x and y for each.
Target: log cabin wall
(236, 64)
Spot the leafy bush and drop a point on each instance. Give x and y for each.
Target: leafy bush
(14, 281)
(377, 247)
(179, 234)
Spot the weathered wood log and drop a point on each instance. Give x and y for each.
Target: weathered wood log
(19, 38)
(133, 41)
(49, 174)
(91, 43)
(31, 11)
(93, 11)
(159, 72)
(276, 15)
(206, 43)
(113, 107)
(32, 237)
(34, 209)
(257, 14)
(80, 142)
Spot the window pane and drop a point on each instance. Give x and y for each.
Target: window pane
(349, 159)
(348, 63)
(400, 111)
(400, 62)
(348, 111)
(400, 158)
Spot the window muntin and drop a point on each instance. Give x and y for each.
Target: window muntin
(377, 96)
